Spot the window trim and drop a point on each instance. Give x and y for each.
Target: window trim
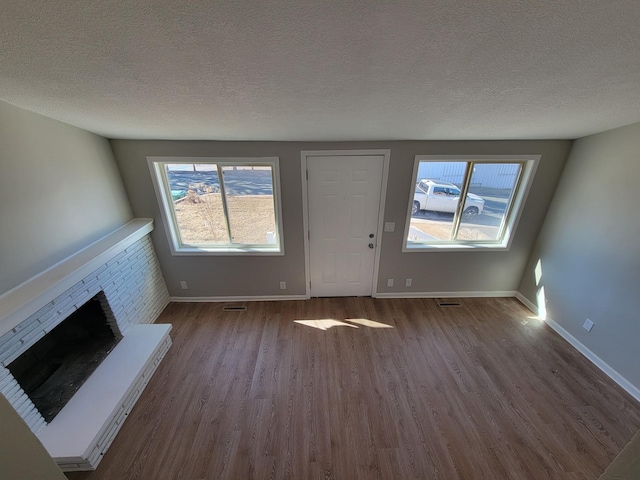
(163, 196)
(523, 185)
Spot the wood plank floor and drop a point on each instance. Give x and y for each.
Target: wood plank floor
(366, 388)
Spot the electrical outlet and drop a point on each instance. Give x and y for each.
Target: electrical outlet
(407, 282)
(183, 285)
(283, 285)
(588, 325)
(390, 282)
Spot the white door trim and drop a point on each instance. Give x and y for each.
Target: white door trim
(304, 154)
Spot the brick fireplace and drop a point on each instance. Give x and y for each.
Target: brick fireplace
(120, 271)
(54, 368)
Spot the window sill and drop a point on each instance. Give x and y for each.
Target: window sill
(449, 247)
(226, 251)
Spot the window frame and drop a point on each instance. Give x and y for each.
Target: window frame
(167, 212)
(512, 217)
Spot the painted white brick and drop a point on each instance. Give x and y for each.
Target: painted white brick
(24, 405)
(99, 271)
(47, 309)
(124, 296)
(32, 337)
(134, 292)
(22, 326)
(143, 256)
(92, 293)
(74, 290)
(6, 340)
(92, 284)
(13, 392)
(50, 317)
(36, 419)
(12, 353)
(91, 278)
(105, 277)
(80, 296)
(31, 324)
(113, 262)
(64, 305)
(50, 322)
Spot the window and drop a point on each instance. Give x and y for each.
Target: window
(494, 189)
(220, 205)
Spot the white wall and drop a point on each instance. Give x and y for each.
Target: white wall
(60, 189)
(589, 249)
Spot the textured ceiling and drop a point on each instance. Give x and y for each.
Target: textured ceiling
(325, 69)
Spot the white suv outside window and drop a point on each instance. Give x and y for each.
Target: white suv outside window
(444, 197)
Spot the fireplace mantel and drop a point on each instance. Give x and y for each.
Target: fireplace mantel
(27, 298)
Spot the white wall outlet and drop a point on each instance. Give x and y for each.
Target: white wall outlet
(407, 282)
(389, 226)
(588, 325)
(283, 285)
(390, 282)
(183, 284)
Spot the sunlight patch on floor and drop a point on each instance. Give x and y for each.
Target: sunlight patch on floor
(327, 323)
(368, 323)
(324, 324)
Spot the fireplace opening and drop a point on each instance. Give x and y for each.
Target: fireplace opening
(53, 369)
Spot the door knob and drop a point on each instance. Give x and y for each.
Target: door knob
(371, 245)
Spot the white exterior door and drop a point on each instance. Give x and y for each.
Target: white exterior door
(343, 198)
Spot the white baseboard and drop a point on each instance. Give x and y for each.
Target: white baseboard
(472, 294)
(266, 298)
(525, 301)
(257, 298)
(630, 388)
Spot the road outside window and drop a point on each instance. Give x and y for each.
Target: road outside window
(219, 207)
(493, 190)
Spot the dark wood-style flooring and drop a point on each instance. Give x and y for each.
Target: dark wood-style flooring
(366, 388)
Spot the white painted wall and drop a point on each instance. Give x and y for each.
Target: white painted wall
(589, 249)
(60, 190)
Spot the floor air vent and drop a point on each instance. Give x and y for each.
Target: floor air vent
(234, 308)
(448, 303)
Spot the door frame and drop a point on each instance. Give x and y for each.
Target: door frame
(304, 154)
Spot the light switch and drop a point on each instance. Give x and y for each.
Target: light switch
(389, 226)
